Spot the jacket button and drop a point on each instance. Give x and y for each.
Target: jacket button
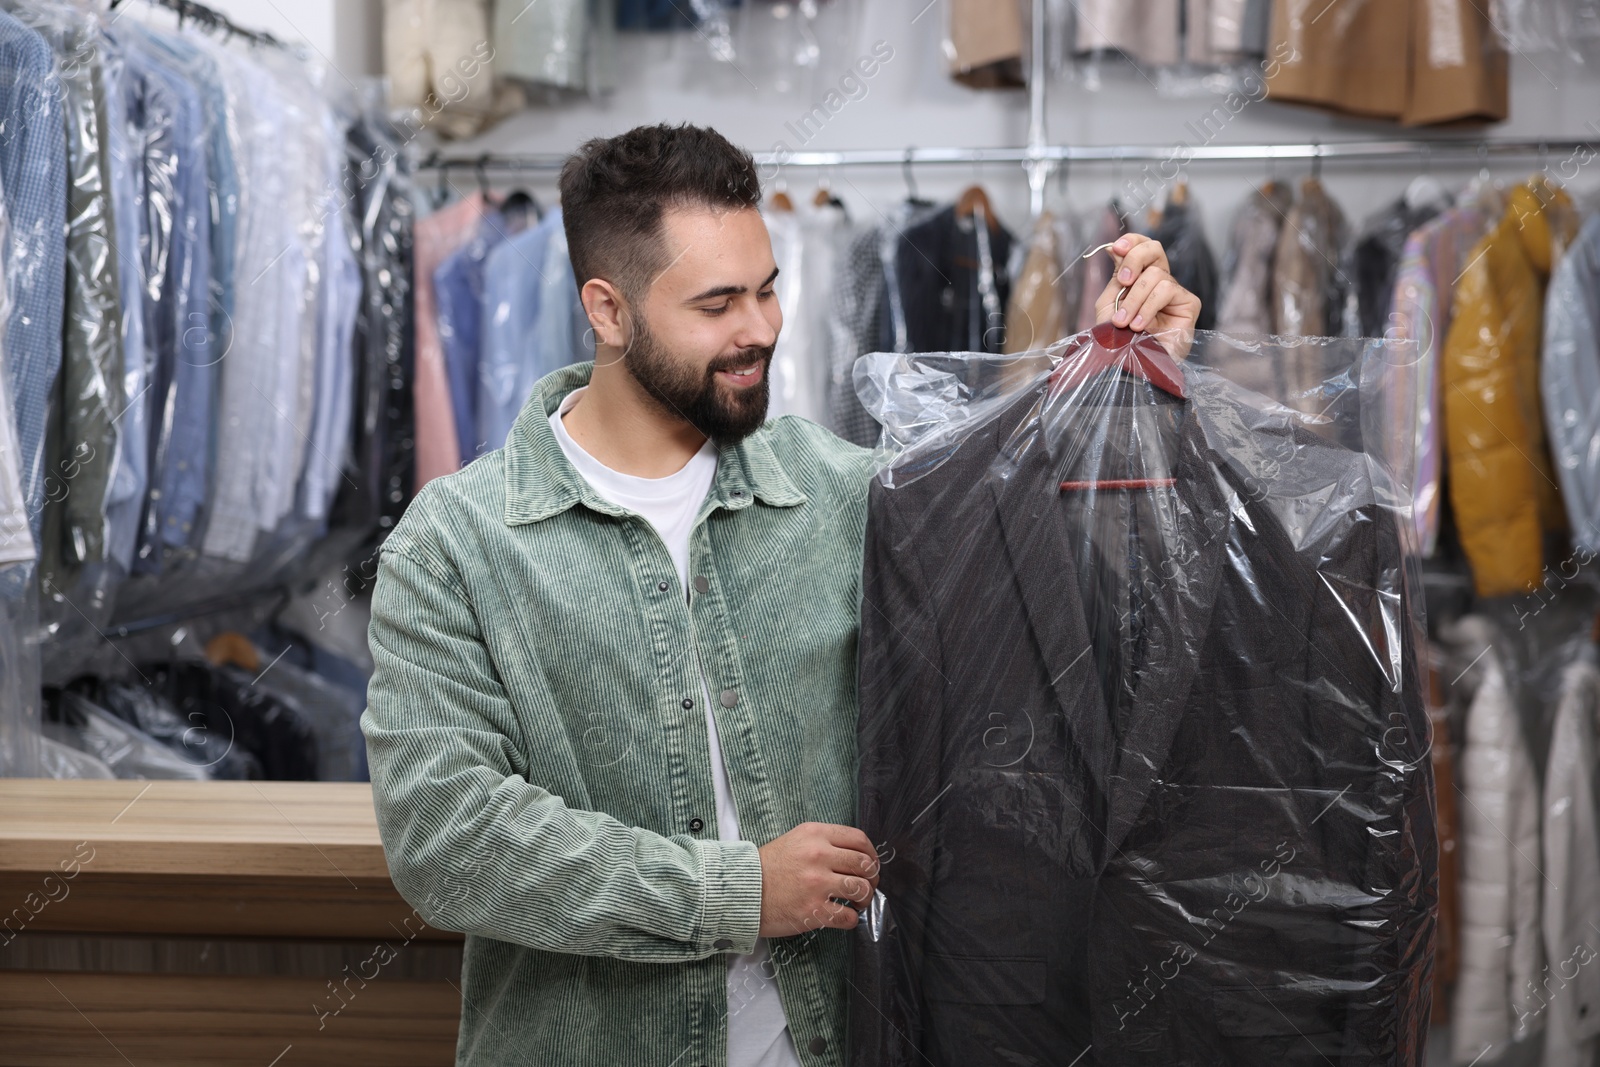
(722, 944)
(702, 584)
(662, 587)
(696, 825)
(687, 703)
(818, 1046)
(729, 698)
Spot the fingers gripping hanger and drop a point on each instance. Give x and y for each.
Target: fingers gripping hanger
(1117, 348)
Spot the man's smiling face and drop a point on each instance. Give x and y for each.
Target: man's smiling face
(702, 343)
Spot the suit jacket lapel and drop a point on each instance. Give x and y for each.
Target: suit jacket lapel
(1179, 623)
(1027, 503)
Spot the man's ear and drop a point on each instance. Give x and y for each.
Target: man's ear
(604, 306)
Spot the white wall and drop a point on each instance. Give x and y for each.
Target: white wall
(912, 102)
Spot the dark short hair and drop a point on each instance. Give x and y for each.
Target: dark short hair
(614, 191)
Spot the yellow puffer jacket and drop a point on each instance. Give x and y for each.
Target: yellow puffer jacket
(1501, 483)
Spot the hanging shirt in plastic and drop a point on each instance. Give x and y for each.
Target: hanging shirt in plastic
(459, 289)
(804, 247)
(533, 323)
(437, 238)
(307, 142)
(165, 105)
(385, 441)
(858, 312)
(241, 502)
(337, 309)
(953, 284)
(1143, 747)
(1434, 258)
(125, 494)
(80, 449)
(33, 175)
(1570, 379)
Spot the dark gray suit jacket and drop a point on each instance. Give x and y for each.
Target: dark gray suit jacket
(1239, 870)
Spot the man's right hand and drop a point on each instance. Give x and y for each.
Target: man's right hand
(804, 869)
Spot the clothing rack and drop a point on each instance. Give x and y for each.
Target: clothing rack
(215, 20)
(1180, 155)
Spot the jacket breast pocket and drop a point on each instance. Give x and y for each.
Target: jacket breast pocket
(984, 979)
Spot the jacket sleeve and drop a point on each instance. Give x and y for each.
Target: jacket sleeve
(476, 848)
(899, 739)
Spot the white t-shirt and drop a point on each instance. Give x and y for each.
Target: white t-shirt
(758, 1031)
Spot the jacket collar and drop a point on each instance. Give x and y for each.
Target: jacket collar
(1027, 498)
(541, 481)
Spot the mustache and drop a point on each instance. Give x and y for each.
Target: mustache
(742, 358)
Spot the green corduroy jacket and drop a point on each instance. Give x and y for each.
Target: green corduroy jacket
(539, 758)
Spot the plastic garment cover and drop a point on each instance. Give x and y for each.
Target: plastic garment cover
(1307, 287)
(1433, 259)
(1572, 26)
(1571, 866)
(190, 738)
(127, 750)
(332, 712)
(19, 653)
(385, 445)
(1182, 233)
(59, 760)
(808, 248)
(950, 285)
(1569, 375)
(225, 703)
(80, 450)
(985, 42)
(249, 369)
(1045, 292)
(1246, 306)
(567, 44)
(857, 312)
(33, 176)
(1502, 490)
(1142, 746)
(1501, 946)
(439, 56)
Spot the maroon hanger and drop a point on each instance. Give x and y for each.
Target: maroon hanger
(1137, 354)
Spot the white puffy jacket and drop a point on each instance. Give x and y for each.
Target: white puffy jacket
(1501, 950)
(1570, 983)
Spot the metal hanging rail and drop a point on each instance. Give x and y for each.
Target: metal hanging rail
(1181, 154)
(188, 10)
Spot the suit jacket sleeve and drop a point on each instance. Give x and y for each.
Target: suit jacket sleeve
(900, 738)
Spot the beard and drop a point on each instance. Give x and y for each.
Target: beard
(692, 392)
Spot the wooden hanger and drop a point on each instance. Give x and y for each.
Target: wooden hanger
(232, 647)
(780, 201)
(973, 198)
(1179, 195)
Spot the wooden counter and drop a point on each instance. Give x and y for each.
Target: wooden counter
(212, 923)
